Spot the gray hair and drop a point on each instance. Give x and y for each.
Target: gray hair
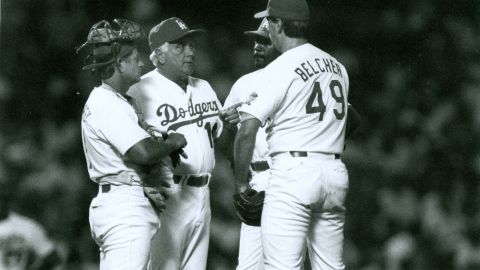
(154, 56)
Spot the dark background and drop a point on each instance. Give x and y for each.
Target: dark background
(414, 165)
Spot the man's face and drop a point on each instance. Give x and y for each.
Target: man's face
(179, 59)
(263, 52)
(133, 67)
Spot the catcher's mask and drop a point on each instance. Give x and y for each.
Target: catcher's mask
(108, 41)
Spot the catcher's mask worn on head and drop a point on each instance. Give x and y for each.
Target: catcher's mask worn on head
(109, 41)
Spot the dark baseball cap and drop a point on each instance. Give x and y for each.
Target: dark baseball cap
(170, 30)
(261, 31)
(296, 10)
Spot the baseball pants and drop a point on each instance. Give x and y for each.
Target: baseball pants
(250, 253)
(305, 208)
(182, 240)
(123, 223)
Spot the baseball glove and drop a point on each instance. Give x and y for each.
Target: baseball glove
(157, 198)
(249, 205)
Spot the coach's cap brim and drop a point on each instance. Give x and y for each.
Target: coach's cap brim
(257, 34)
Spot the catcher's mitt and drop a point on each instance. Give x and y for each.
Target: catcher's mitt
(157, 198)
(249, 205)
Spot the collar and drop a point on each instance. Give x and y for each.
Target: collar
(110, 88)
(175, 86)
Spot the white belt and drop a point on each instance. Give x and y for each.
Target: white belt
(126, 178)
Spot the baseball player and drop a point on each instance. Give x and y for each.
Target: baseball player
(303, 97)
(23, 242)
(171, 99)
(250, 251)
(122, 218)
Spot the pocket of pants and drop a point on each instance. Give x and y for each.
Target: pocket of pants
(336, 189)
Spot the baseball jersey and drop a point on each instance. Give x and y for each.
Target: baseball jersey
(194, 113)
(304, 95)
(22, 240)
(109, 128)
(243, 90)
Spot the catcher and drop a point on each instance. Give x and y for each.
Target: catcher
(122, 216)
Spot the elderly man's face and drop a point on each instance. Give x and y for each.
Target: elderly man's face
(180, 57)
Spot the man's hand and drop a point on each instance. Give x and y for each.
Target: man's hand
(177, 139)
(181, 142)
(230, 116)
(175, 157)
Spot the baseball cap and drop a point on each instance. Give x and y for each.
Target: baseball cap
(261, 31)
(286, 9)
(170, 30)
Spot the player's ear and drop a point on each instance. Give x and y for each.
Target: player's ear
(275, 24)
(160, 55)
(279, 26)
(120, 64)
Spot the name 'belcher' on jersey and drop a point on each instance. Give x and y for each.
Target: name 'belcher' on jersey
(312, 67)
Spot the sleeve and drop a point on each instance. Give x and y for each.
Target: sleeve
(232, 97)
(119, 126)
(271, 90)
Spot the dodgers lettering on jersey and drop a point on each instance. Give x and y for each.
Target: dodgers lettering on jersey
(198, 112)
(193, 113)
(242, 90)
(304, 93)
(109, 128)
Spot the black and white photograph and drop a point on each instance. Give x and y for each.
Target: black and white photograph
(239, 135)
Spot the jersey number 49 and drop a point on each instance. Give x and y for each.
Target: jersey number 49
(321, 108)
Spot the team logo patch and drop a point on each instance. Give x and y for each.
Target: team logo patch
(181, 24)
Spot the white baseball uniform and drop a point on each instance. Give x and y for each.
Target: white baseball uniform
(250, 255)
(182, 240)
(22, 241)
(122, 220)
(304, 94)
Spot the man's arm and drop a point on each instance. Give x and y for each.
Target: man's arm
(226, 143)
(243, 150)
(354, 121)
(230, 119)
(150, 150)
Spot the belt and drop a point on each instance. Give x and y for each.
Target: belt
(105, 188)
(125, 178)
(260, 166)
(305, 154)
(190, 180)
